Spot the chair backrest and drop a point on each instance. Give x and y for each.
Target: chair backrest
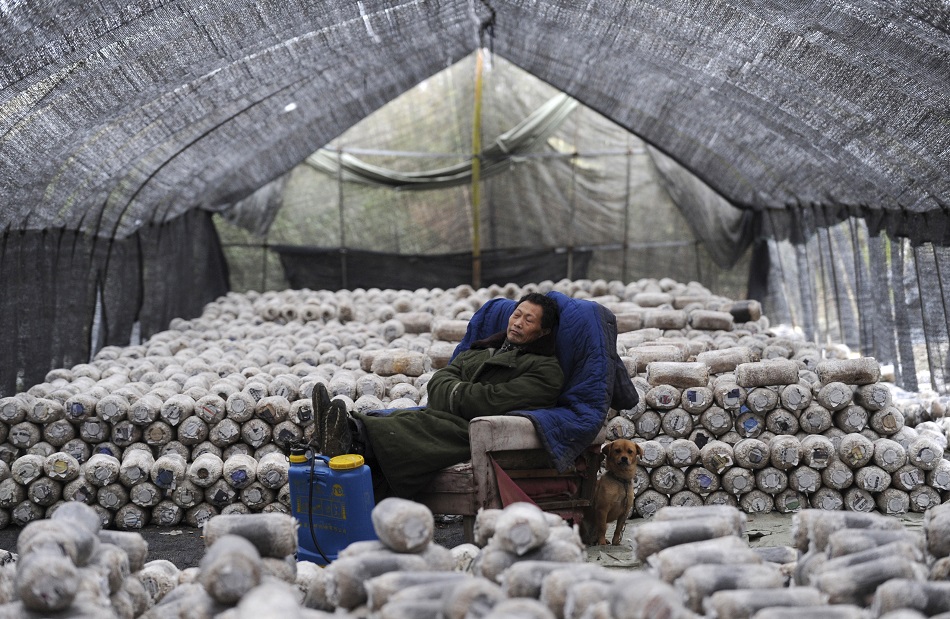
(594, 376)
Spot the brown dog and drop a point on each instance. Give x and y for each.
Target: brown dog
(614, 493)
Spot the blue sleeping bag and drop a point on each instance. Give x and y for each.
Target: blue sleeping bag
(595, 378)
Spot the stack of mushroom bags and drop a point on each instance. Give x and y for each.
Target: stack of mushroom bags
(696, 562)
(842, 565)
(195, 421)
(731, 414)
(68, 566)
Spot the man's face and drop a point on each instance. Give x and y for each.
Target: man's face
(525, 324)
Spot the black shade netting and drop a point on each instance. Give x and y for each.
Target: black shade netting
(320, 269)
(63, 295)
(884, 297)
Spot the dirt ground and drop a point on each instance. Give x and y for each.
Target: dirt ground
(772, 529)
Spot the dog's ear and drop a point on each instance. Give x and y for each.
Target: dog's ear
(605, 448)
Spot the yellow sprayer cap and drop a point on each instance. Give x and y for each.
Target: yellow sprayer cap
(298, 458)
(346, 462)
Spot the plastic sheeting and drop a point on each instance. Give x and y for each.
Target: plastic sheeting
(495, 159)
(588, 187)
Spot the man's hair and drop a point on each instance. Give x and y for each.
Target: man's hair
(549, 309)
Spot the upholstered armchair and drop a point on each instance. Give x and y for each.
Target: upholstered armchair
(550, 455)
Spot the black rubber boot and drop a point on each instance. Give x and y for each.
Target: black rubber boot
(320, 402)
(336, 436)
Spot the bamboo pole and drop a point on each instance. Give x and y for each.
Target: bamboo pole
(476, 170)
(344, 283)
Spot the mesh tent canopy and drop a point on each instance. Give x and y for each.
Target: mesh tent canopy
(116, 115)
(122, 125)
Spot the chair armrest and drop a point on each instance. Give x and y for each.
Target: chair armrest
(496, 433)
(500, 433)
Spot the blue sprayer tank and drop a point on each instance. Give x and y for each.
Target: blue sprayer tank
(335, 495)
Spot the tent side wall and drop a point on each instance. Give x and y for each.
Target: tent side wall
(56, 285)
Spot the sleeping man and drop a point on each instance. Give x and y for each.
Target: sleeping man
(515, 369)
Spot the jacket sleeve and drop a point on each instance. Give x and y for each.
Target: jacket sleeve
(440, 386)
(538, 387)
